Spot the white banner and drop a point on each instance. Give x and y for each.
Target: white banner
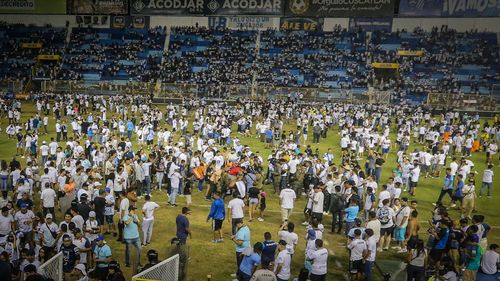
(240, 22)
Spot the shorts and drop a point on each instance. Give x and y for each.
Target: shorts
(100, 219)
(399, 233)
(413, 184)
(262, 207)
(357, 266)
(385, 150)
(217, 224)
(253, 201)
(269, 140)
(386, 230)
(109, 219)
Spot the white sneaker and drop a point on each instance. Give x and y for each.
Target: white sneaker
(305, 223)
(396, 248)
(260, 219)
(402, 251)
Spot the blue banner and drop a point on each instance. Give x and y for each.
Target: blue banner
(371, 24)
(449, 8)
(304, 24)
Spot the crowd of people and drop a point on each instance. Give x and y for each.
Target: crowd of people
(71, 191)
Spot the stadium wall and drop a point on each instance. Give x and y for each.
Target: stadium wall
(460, 24)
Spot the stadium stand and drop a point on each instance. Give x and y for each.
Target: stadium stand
(20, 45)
(113, 54)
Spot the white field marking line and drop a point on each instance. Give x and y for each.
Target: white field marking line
(402, 267)
(338, 264)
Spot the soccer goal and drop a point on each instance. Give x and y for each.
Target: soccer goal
(167, 270)
(53, 268)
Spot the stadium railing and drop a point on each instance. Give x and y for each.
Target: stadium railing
(53, 268)
(167, 270)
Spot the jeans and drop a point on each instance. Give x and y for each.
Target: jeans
(147, 184)
(283, 182)
(348, 226)
(368, 270)
(337, 219)
(129, 135)
(45, 158)
(147, 230)
(483, 185)
(136, 242)
(173, 195)
(159, 179)
(378, 172)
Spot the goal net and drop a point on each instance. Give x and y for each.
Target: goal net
(167, 270)
(53, 268)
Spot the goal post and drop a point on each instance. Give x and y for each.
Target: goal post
(53, 268)
(167, 270)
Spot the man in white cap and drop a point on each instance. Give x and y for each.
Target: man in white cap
(79, 272)
(50, 234)
(92, 228)
(44, 151)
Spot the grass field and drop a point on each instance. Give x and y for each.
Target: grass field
(218, 259)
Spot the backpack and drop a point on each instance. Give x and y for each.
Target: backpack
(383, 215)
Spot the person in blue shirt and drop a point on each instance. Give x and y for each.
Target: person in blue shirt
(251, 259)
(269, 247)
(351, 213)
(130, 129)
(131, 235)
(447, 187)
(182, 223)
(458, 193)
(241, 240)
(102, 256)
(217, 214)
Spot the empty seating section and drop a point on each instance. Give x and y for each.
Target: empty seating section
(449, 61)
(20, 45)
(113, 54)
(328, 59)
(200, 55)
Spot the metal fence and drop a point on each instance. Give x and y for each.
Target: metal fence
(465, 102)
(167, 270)
(53, 268)
(98, 87)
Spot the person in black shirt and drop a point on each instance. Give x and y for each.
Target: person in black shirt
(25, 200)
(83, 207)
(269, 247)
(99, 206)
(71, 256)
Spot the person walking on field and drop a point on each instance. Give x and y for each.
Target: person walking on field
(217, 214)
(148, 210)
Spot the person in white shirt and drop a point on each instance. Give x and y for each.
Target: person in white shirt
(318, 203)
(414, 177)
(487, 180)
(148, 210)
(371, 252)
(491, 260)
(283, 262)
(287, 199)
(48, 198)
(358, 251)
(319, 259)
(235, 211)
(286, 233)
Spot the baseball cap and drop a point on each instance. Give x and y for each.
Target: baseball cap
(311, 234)
(107, 189)
(92, 214)
(99, 238)
(81, 267)
(5, 209)
(49, 216)
(132, 208)
(24, 205)
(186, 210)
(66, 237)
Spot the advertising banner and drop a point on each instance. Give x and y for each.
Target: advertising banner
(385, 65)
(48, 57)
(32, 6)
(240, 22)
(409, 53)
(340, 8)
(130, 22)
(305, 24)
(97, 7)
(450, 8)
(31, 45)
(371, 24)
(207, 7)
